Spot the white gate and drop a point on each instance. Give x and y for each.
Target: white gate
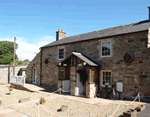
(18, 80)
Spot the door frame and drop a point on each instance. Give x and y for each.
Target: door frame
(34, 76)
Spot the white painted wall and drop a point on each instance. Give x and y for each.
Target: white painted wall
(4, 72)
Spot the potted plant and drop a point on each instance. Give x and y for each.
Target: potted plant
(42, 100)
(64, 108)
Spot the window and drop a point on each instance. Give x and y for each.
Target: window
(106, 78)
(61, 73)
(61, 53)
(106, 49)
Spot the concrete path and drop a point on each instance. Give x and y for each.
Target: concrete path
(145, 112)
(75, 98)
(39, 89)
(6, 112)
(32, 87)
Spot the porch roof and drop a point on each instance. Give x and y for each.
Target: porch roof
(83, 58)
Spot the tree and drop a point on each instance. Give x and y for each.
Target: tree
(26, 60)
(17, 63)
(7, 52)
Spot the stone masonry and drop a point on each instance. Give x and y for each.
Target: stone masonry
(135, 75)
(35, 64)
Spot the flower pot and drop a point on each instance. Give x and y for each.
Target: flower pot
(42, 102)
(63, 109)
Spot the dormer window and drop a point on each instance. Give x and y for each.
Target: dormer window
(61, 52)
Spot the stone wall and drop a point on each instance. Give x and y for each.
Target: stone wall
(34, 64)
(135, 75)
(90, 90)
(49, 75)
(73, 79)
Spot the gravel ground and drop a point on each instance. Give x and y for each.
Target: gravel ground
(54, 102)
(75, 109)
(16, 95)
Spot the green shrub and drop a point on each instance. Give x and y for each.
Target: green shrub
(42, 100)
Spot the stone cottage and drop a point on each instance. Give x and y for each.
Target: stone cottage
(84, 63)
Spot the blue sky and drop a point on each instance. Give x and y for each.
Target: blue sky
(34, 22)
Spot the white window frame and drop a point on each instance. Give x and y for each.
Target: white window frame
(102, 77)
(110, 48)
(58, 53)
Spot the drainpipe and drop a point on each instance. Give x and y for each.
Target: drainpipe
(41, 68)
(99, 67)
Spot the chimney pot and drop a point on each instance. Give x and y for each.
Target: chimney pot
(60, 34)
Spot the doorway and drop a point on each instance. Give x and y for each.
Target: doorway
(79, 85)
(34, 76)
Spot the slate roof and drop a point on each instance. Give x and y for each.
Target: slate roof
(2, 65)
(23, 69)
(83, 58)
(123, 29)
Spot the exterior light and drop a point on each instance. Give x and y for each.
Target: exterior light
(84, 64)
(59, 64)
(64, 64)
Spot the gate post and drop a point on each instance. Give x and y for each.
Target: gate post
(8, 74)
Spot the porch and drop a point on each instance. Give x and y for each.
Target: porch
(79, 75)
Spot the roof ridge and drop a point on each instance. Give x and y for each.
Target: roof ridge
(111, 31)
(103, 29)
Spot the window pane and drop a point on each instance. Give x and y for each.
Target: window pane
(103, 53)
(61, 73)
(106, 78)
(106, 48)
(103, 82)
(61, 53)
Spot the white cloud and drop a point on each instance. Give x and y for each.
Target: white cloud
(28, 50)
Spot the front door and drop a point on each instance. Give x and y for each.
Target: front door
(34, 76)
(79, 85)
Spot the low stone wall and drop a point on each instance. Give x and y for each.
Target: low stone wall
(133, 112)
(20, 87)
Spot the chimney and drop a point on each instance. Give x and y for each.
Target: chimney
(60, 34)
(149, 12)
